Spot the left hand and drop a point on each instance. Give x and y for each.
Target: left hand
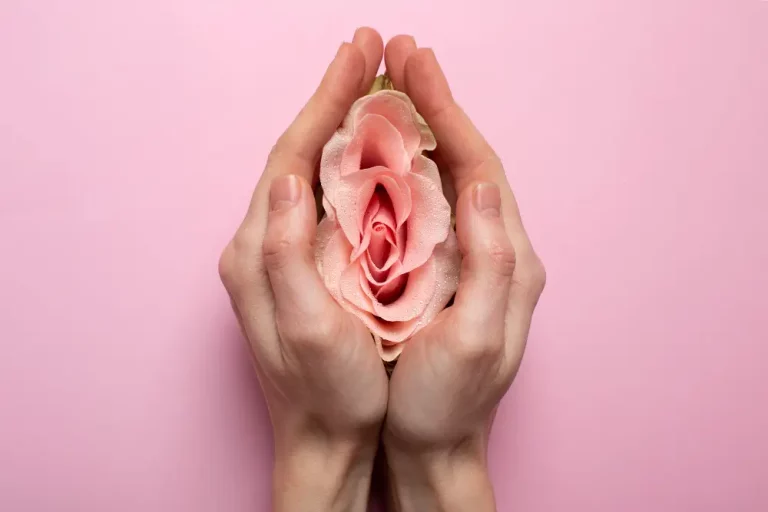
(322, 377)
(450, 377)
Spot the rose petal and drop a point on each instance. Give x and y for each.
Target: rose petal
(332, 256)
(401, 113)
(388, 350)
(325, 231)
(392, 331)
(330, 163)
(429, 222)
(375, 143)
(375, 213)
(379, 277)
(378, 249)
(398, 109)
(351, 285)
(354, 193)
(447, 259)
(392, 291)
(428, 168)
(413, 301)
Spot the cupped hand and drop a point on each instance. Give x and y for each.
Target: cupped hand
(451, 376)
(322, 377)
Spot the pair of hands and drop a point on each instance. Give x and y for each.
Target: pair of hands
(328, 394)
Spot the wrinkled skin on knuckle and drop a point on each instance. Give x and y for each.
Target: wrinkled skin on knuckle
(277, 249)
(502, 258)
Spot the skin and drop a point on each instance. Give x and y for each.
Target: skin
(328, 395)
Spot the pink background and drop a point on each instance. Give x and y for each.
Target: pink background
(635, 134)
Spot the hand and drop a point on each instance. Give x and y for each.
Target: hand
(323, 380)
(448, 382)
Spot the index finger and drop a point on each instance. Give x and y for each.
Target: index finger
(298, 149)
(468, 158)
(461, 146)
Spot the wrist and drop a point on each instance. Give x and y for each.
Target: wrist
(444, 480)
(322, 474)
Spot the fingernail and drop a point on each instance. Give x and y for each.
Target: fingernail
(487, 199)
(284, 192)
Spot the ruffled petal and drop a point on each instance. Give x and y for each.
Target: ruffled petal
(429, 222)
(375, 143)
(401, 113)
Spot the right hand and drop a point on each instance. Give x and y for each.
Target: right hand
(325, 386)
(448, 382)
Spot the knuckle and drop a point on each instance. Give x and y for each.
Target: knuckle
(478, 348)
(539, 275)
(227, 264)
(533, 279)
(503, 258)
(478, 342)
(238, 263)
(316, 337)
(277, 249)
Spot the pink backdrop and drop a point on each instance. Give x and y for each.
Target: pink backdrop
(635, 134)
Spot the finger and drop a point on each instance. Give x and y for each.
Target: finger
(299, 148)
(398, 49)
(461, 146)
(370, 43)
(468, 157)
(288, 253)
(488, 265)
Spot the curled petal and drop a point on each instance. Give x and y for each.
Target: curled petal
(388, 350)
(375, 143)
(429, 222)
(400, 111)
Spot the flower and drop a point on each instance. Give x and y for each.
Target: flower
(385, 248)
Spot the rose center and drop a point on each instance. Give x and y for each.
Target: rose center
(379, 247)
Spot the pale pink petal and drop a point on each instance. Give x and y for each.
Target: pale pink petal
(352, 288)
(392, 331)
(387, 350)
(370, 213)
(354, 193)
(325, 231)
(330, 164)
(378, 249)
(429, 222)
(447, 260)
(399, 110)
(447, 263)
(413, 301)
(375, 143)
(332, 256)
(330, 212)
(379, 277)
(426, 167)
(394, 253)
(392, 291)
(386, 212)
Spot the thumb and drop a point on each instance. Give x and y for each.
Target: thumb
(488, 259)
(288, 252)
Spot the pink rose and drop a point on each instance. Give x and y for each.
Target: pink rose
(385, 248)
